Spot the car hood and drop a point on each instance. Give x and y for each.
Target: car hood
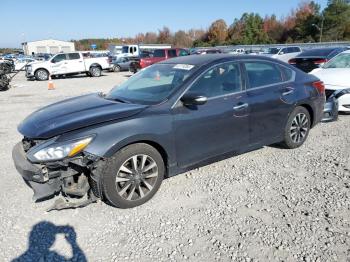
(333, 76)
(75, 113)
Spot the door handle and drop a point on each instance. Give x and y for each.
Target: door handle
(289, 90)
(240, 107)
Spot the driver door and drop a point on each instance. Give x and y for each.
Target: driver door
(217, 127)
(58, 64)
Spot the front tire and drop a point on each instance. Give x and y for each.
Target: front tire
(116, 68)
(41, 75)
(133, 175)
(297, 128)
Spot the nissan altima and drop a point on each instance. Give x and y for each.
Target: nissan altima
(167, 119)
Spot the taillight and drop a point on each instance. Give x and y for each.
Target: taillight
(319, 86)
(109, 60)
(141, 63)
(320, 61)
(292, 62)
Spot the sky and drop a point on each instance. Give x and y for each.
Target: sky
(28, 20)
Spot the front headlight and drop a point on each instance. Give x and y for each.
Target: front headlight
(29, 68)
(60, 151)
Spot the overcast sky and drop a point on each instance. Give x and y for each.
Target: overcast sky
(27, 20)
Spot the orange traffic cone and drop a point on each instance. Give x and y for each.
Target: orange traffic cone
(50, 85)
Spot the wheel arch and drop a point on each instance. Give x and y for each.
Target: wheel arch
(160, 148)
(41, 68)
(95, 65)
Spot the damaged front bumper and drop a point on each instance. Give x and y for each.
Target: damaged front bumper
(74, 178)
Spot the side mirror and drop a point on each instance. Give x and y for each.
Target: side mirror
(281, 53)
(194, 99)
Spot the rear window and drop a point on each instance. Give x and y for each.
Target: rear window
(73, 56)
(159, 53)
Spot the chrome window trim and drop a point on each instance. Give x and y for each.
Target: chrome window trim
(279, 83)
(210, 68)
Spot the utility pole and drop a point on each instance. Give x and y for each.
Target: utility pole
(320, 28)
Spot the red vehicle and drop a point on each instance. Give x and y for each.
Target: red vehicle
(158, 56)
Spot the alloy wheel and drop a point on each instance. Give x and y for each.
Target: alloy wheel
(42, 75)
(136, 177)
(299, 128)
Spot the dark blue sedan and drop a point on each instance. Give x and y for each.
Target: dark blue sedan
(165, 120)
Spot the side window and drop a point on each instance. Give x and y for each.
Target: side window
(262, 74)
(183, 52)
(73, 56)
(287, 72)
(59, 58)
(220, 80)
(159, 53)
(172, 53)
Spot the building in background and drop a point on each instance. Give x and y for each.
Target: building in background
(49, 46)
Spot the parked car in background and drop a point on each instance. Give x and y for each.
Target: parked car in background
(169, 118)
(336, 76)
(310, 59)
(204, 51)
(282, 53)
(67, 64)
(22, 62)
(157, 56)
(121, 64)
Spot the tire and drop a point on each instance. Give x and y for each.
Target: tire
(124, 187)
(116, 68)
(41, 75)
(297, 128)
(95, 71)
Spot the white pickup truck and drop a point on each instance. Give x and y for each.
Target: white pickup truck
(67, 64)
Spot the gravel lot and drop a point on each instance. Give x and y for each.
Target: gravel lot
(267, 205)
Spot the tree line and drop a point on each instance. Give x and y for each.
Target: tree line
(306, 23)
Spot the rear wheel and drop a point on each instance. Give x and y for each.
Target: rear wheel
(95, 71)
(133, 175)
(297, 128)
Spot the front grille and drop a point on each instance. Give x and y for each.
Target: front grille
(329, 93)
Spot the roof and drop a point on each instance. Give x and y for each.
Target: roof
(50, 39)
(200, 60)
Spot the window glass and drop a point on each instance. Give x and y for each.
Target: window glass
(288, 73)
(159, 53)
(183, 52)
(59, 58)
(73, 56)
(152, 84)
(172, 53)
(340, 61)
(220, 80)
(262, 74)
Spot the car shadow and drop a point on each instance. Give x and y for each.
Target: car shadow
(41, 239)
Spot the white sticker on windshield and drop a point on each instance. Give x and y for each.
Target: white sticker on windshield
(183, 67)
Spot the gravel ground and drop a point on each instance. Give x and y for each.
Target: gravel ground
(267, 205)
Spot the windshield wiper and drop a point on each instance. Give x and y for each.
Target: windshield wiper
(118, 99)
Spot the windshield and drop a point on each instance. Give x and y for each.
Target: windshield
(153, 84)
(125, 49)
(272, 50)
(340, 61)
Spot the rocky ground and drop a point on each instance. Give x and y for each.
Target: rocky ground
(268, 205)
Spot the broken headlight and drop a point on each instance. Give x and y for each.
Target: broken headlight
(60, 151)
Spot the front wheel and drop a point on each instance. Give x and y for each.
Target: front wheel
(133, 175)
(95, 71)
(41, 75)
(297, 128)
(116, 68)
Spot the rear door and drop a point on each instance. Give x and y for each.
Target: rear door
(220, 125)
(270, 94)
(75, 63)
